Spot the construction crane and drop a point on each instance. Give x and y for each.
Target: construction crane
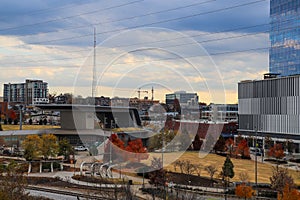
(139, 92)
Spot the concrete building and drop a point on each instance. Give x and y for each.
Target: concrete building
(285, 37)
(220, 112)
(271, 108)
(30, 92)
(184, 98)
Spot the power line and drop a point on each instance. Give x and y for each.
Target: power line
(72, 16)
(152, 23)
(176, 45)
(127, 18)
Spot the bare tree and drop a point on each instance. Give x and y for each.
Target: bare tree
(244, 176)
(211, 170)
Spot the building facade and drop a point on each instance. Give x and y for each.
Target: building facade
(284, 57)
(183, 97)
(220, 112)
(271, 108)
(30, 92)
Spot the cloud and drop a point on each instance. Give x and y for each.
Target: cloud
(186, 56)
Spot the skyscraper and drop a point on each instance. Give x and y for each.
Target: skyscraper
(285, 37)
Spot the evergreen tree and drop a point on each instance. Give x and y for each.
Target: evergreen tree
(227, 169)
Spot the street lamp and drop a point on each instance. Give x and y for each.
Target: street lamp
(21, 117)
(255, 158)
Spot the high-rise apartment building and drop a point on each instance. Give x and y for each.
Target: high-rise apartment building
(285, 37)
(30, 92)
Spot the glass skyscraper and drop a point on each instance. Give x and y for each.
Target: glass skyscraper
(285, 37)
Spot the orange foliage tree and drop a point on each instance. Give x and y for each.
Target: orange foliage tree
(114, 149)
(276, 152)
(229, 145)
(243, 149)
(289, 193)
(134, 151)
(244, 191)
(138, 150)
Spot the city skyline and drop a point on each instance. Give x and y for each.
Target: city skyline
(53, 41)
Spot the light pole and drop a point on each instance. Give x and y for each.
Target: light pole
(256, 158)
(21, 117)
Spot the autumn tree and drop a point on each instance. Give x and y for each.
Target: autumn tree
(220, 145)
(114, 149)
(243, 149)
(244, 191)
(229, 146)
(65, 148)
(31, 146)
(138, 150)
(49, 146)
(155, 142)
(211, 170)
(289, 193)
(276, 152)
(134, 151)
(280, 178)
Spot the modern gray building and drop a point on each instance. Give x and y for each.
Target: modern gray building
(271, 107)
(30, 92)
(285, 37)
(183, 97)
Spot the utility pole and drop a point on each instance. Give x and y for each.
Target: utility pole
(94, 67)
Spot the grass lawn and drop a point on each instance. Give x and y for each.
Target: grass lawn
(10, 127)
(264, 169)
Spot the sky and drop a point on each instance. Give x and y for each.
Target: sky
(204, 46)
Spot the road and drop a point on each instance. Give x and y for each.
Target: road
(51, 195)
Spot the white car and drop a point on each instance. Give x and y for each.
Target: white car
(80, 148)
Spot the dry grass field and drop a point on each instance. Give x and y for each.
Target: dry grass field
(264, 169)
(7, 127)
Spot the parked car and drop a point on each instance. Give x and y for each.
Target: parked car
(81, 148)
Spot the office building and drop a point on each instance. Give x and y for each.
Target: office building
(220, 112)
(30, 92)
(284, 58)
(271, 108)
(184, 98)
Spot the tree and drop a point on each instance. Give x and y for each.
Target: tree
(244, 191)
(136, 147)
(49, 146)
(220, 145)
(155, 141)
(244, 176)
(211, 170)
(229, 146)
(197, 143)
(243, 149)
(31, 146)
(114, 149)
(157, 176)
(13, 183)
(227, 169)
(276, 152)
(289, 193)
(280, 178)
(65, 148)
